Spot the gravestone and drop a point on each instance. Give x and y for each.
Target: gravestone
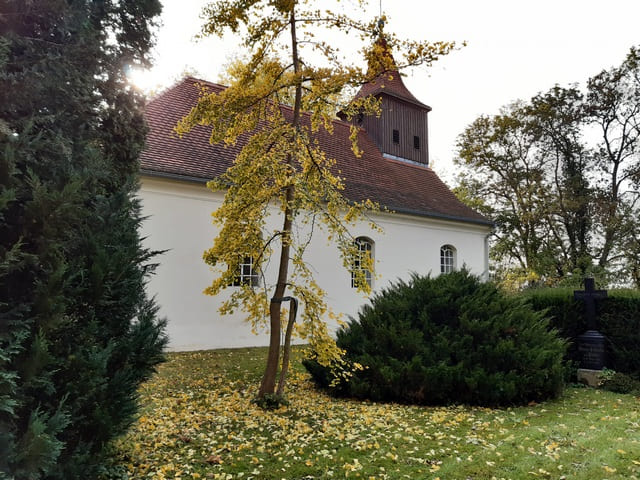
(591, 344)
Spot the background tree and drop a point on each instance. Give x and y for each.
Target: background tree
(506, 174)
(290, 69)
(77, 332)
(613, 107)
(556, 118)
(559, 174)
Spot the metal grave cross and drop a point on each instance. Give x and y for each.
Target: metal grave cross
(589, 296)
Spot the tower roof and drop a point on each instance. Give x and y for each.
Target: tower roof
(388, 81)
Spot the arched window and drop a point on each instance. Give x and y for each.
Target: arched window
(447, 259)
(361, 266)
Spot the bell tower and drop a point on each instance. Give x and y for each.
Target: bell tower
(401, 131)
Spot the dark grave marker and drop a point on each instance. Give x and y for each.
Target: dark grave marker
(591, 344)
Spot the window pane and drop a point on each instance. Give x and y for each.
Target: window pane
(364, 247)
(447, 259)
(246, 275)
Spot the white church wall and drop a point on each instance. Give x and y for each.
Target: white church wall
(180, 222)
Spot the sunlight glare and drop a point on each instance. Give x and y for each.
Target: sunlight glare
(144, 79)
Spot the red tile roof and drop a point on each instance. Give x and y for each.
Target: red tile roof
(399, 186)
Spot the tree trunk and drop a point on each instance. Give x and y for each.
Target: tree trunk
(293, 310)
(268, 384)
(611, 221)
(271, 369)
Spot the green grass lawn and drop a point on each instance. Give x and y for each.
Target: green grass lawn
(198, 421)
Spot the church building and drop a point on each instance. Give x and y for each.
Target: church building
(426, 229)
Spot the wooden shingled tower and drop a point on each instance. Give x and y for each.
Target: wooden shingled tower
(401, 131)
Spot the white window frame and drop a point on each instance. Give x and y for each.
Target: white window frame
(247, 273)
(365, 247)
(447, 258)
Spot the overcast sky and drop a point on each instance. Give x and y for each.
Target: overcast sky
(516, 48)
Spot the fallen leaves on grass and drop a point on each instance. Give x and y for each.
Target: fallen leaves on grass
(199, 421)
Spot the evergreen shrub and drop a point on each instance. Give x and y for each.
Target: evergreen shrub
(449, 339)
(618, 318)
(621, 383)
(78, 333)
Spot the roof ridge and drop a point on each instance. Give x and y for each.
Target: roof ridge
(224, 87)
(201, 80)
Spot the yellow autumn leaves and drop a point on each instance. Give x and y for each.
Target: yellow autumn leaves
(198, 421)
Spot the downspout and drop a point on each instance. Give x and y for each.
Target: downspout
(485, 273)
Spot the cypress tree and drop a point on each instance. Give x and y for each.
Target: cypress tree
(77, 332)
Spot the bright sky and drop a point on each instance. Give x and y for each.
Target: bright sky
(516, 48)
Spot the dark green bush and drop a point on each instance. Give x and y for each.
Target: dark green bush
(621, 383)
(450, 339)
(618, 320)
(78, 334)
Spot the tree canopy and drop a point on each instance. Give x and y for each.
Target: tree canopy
(291, 84)
(560, 175)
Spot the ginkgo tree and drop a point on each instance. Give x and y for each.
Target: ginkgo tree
(289, 86)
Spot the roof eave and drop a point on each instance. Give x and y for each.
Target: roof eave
(173, 176)
(443, 216)
(417, 103)
(405, 211)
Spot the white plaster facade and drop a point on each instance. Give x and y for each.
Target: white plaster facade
(180, 222)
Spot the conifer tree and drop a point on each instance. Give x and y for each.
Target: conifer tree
(77, 332)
